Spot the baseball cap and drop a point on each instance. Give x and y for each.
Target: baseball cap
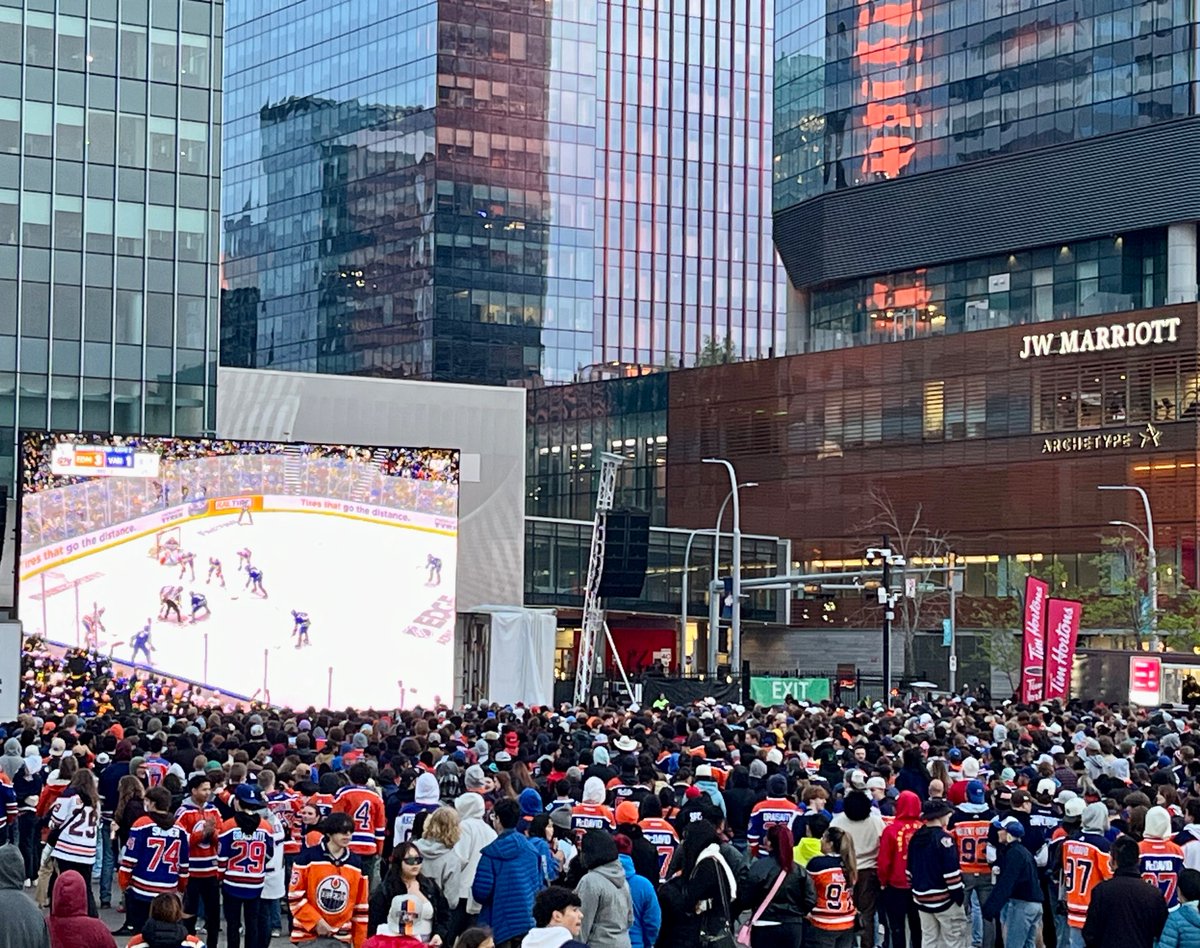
(876, 783)
(249, 795)
(627, 812)
(1074, 808)
(58, 747)
(1046, 787)
(1012, 826)
(704, 770)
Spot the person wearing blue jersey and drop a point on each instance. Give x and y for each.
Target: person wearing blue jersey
(254, 580)
(199, 602)
(141, 643)
(434, 566)
(300, 630)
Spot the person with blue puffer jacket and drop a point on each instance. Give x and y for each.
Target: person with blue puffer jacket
(1183, 925)
(507, 879)
(647, 914)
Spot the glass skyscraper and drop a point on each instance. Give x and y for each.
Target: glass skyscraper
(110, 117)
(946, 167)
(513, 193)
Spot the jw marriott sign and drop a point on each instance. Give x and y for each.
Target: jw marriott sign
(1148, 332)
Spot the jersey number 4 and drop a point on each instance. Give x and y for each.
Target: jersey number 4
(362, 817)
(163, 851)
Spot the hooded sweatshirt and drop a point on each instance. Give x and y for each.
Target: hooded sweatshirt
(476, 834)
(70, 926)
(1159, 857)
(893, 845)
(428, 799)
(864, 825)
(592, 812)
(647, 914)
(607, 906)
(553, 937)
(445, 867)
(23, 925)
(13, 760)
(156, 934)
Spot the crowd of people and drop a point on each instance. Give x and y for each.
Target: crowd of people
(942, 823)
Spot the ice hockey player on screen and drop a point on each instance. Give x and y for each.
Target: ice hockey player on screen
(300, 630)
(243, 559)
(141, 643)
(434, 565)
(214, 569)
(93, 626)
(254, 581)
(199, 602)
(187, 561)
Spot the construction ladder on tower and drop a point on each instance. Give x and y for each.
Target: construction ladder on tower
(293, 469)
(368, 476)
(593, 614)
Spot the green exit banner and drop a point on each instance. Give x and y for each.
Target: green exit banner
(767, 690)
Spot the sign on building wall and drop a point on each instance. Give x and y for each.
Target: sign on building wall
(765, 689)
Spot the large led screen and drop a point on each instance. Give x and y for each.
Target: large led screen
(299, 574)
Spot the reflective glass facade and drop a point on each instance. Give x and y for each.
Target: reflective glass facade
(519, 192)
(686, 261)
(871, 90)
(1085, 278)
(109, 175)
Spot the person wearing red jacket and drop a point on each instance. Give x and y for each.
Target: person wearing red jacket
(201, 820)
(895, 899)
(70, 925)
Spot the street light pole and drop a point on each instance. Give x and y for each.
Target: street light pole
(735, 624)
(683, 595)
(1151, 556)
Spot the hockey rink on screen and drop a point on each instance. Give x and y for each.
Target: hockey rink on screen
(377, 617)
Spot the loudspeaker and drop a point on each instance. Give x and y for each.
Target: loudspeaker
(626, 549)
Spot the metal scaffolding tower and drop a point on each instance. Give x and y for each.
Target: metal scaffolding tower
(593, 614)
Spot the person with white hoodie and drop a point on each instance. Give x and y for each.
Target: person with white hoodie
(558, 914)
(427, 798)
(474, 834)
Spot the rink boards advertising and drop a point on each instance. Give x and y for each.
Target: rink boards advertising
(298, 574)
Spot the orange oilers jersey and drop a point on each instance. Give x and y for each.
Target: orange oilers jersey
(834, 911)
(365, 808)
(586, 816)
(1085, 864)
(662, 836)
(322, 887)
(970, 832)
(1161, 861)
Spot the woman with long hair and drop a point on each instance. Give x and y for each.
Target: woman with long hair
(74, 822)
(521, 778)
(445, 863)
(422, 906)
(504, 786)
(777, 892)
(701, 894)
(834, 873)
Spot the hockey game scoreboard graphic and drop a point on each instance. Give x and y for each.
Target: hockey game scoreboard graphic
(103, 461)
(291, 573)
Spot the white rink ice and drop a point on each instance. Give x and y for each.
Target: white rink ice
(362, 584)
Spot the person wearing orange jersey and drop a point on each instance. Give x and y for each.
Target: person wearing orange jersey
(200, 819)
(1160, 859)
(658, 833)
(592, 813)
(775, 809)
(833, 872)
(1085, 863)
(970, 825)
(328, 891)
(365, 808)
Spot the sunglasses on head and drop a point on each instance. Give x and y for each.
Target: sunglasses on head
(413, 860)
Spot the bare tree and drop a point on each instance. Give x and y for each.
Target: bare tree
(924, 549)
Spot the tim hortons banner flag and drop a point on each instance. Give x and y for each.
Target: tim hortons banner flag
(1033, 649)
(1062, 631)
